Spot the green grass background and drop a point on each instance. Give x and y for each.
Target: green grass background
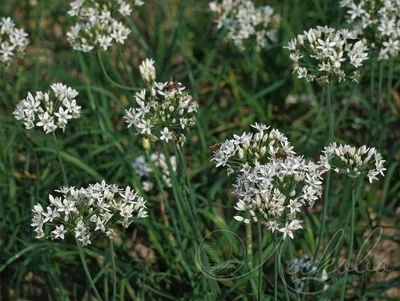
(234, 90)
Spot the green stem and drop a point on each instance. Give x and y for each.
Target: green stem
(331, 137)
(378, 105)
(330, 114)
(60, 160)
(85, 267)
(260, 265)
(110, 80)
(371, 104)
(282, 275)
(346, 274)
(114, 270)
(276, 255)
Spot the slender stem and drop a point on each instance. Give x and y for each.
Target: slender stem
(60, 160)
(249, 249)
(110, 80)
(114, 270)
(276, 255)
(282, 276)
(331, 137)
(346, 274)
(85, 267)
(371, 104)
(260, 265)
(330, 114)
(378, 105)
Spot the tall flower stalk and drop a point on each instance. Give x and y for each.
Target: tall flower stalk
(355, 163)
(273, 183)
(87, 212)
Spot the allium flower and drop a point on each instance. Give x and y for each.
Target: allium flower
(148, 71)
(275, 192)
(144, 170)
(253, 148)
(272, 182)
(377, 23)
(13, 41)
(99, 23)
(244, 22)
(49, 110)
(86, 212)
(324, 53)
(353, 162)
(165, 113)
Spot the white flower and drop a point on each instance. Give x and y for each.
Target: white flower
(252, 148)
(166, 135)
(166, 113)
(98, 208)
(13, 41)
(144, 169)
(38, 110)
(376, 23)
(353, 162)
(58, 232)
(97, 26)
(323, 53)
(244, 22)
(289, 228)
(148, 71)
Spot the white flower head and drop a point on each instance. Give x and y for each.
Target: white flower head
(99, 26)
(148, 71)
(13, 41)
(377, 23)
(99, 208)
(353, 162)
(50, 110)
(145, 171)
(253, 148)
(324, 53)
(165, 113)
(277, 192)
(246, 24)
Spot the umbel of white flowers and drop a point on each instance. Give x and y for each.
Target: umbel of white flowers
(252, 148)
(377, 23)
(145, 171)
(353, 162)
(272, 182)
(165, 112)
(275, 192)
(13, 41)
(246, 24)
(324, 53)
(86, 212)
(49, 110)
(99, 23)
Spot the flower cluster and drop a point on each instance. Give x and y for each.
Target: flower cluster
(163, 113)
(89, 211)
(321, 53)
(273, 183)
(377, 22)
(276, 191)
(245, 22)
(252, 148)
(98, 23)
(48, 111)
(148, 71)
(144, 169)
(353, 162)
(12, 41)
